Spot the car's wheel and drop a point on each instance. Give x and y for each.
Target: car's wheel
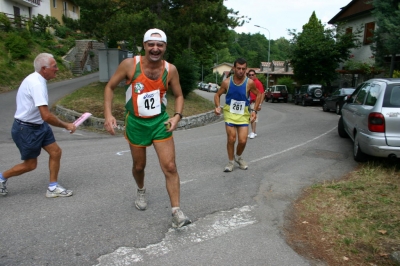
(337, 109)
(285, 101)
(358, 154)
(325, 107)
(303, 102)
(341, 131)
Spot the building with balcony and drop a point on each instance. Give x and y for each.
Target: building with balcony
(68, 8)
(26, 9)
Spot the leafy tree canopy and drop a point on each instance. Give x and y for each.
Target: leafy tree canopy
(387, 34)
(317, 51)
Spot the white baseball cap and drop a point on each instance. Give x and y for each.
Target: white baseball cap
(148, 37)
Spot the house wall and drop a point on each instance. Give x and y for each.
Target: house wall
(57, 9)
(221, 69)
(363, 53)
(7, 6)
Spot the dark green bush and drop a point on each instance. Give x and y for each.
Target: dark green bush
(5, 22)
(40, 23)
(73, 24)
(17, 46)
(63, 32)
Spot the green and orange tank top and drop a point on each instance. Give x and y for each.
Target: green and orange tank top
(145, 97)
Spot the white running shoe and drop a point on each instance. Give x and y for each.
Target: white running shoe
(141, 202)
(59, 191)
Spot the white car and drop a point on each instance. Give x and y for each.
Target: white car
(371, 118)
(212, 87)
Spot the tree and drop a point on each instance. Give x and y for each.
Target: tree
(316, 52)
(186, 66)
(387, 34)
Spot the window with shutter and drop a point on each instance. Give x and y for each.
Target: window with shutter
(369, 32)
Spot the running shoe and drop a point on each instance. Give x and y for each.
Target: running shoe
(141, 202)
(229, 167)
(179, 219)
(59, 191)
(3, 188)
(242, 163)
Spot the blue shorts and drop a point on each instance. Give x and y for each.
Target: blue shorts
(236, 125)
(31, 138)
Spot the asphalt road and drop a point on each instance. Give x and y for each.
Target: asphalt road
(238, 217)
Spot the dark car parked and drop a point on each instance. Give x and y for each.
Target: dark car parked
(336, 100)
(309, 94)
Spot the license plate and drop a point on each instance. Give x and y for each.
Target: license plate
(316, 100)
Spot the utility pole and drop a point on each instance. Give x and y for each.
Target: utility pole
(269, 49)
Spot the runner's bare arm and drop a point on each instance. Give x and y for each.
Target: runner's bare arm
(120, 74)
(176, 88)
(217, 97)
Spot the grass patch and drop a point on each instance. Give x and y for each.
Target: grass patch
(354, 221)
(91, 99)
(14, 71)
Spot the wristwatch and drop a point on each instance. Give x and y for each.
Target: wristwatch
(254, 111)
(180, 115)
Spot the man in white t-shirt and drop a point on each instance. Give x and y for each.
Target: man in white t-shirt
(31, 131)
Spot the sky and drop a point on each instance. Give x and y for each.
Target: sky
(279, 15)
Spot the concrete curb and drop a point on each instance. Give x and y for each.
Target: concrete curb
(98, 123)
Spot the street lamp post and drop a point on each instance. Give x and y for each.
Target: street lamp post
(216, 72)
(269, 49)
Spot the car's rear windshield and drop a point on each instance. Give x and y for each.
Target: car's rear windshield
(392, 96)
(348, 91)
(280, 88)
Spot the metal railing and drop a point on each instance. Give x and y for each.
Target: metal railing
(85, 55)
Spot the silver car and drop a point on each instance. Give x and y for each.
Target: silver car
(213, 87)
(371, 118)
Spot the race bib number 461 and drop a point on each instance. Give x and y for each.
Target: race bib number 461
(237, 107)
(149, 103)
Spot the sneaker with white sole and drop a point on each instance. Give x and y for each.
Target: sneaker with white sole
(3, 188)
(252, 135)
(59, 191)
(141, 202)
(242, 163)
(255, 134)
(229, 167)
(179, 219)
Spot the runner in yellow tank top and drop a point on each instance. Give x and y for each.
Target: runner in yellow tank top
(236, 111)
(147, 80)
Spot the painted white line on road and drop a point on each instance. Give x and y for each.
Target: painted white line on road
(187, 181)
(122, 152)
(204, 229)
(292, 148)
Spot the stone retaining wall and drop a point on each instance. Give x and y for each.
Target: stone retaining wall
(98, 123)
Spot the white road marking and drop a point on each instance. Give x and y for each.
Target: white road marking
(204, 229)
(292, 148)
(187, 181)
(122, 152)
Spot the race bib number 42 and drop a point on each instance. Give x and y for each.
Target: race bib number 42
(149, 103)
(237, 107)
